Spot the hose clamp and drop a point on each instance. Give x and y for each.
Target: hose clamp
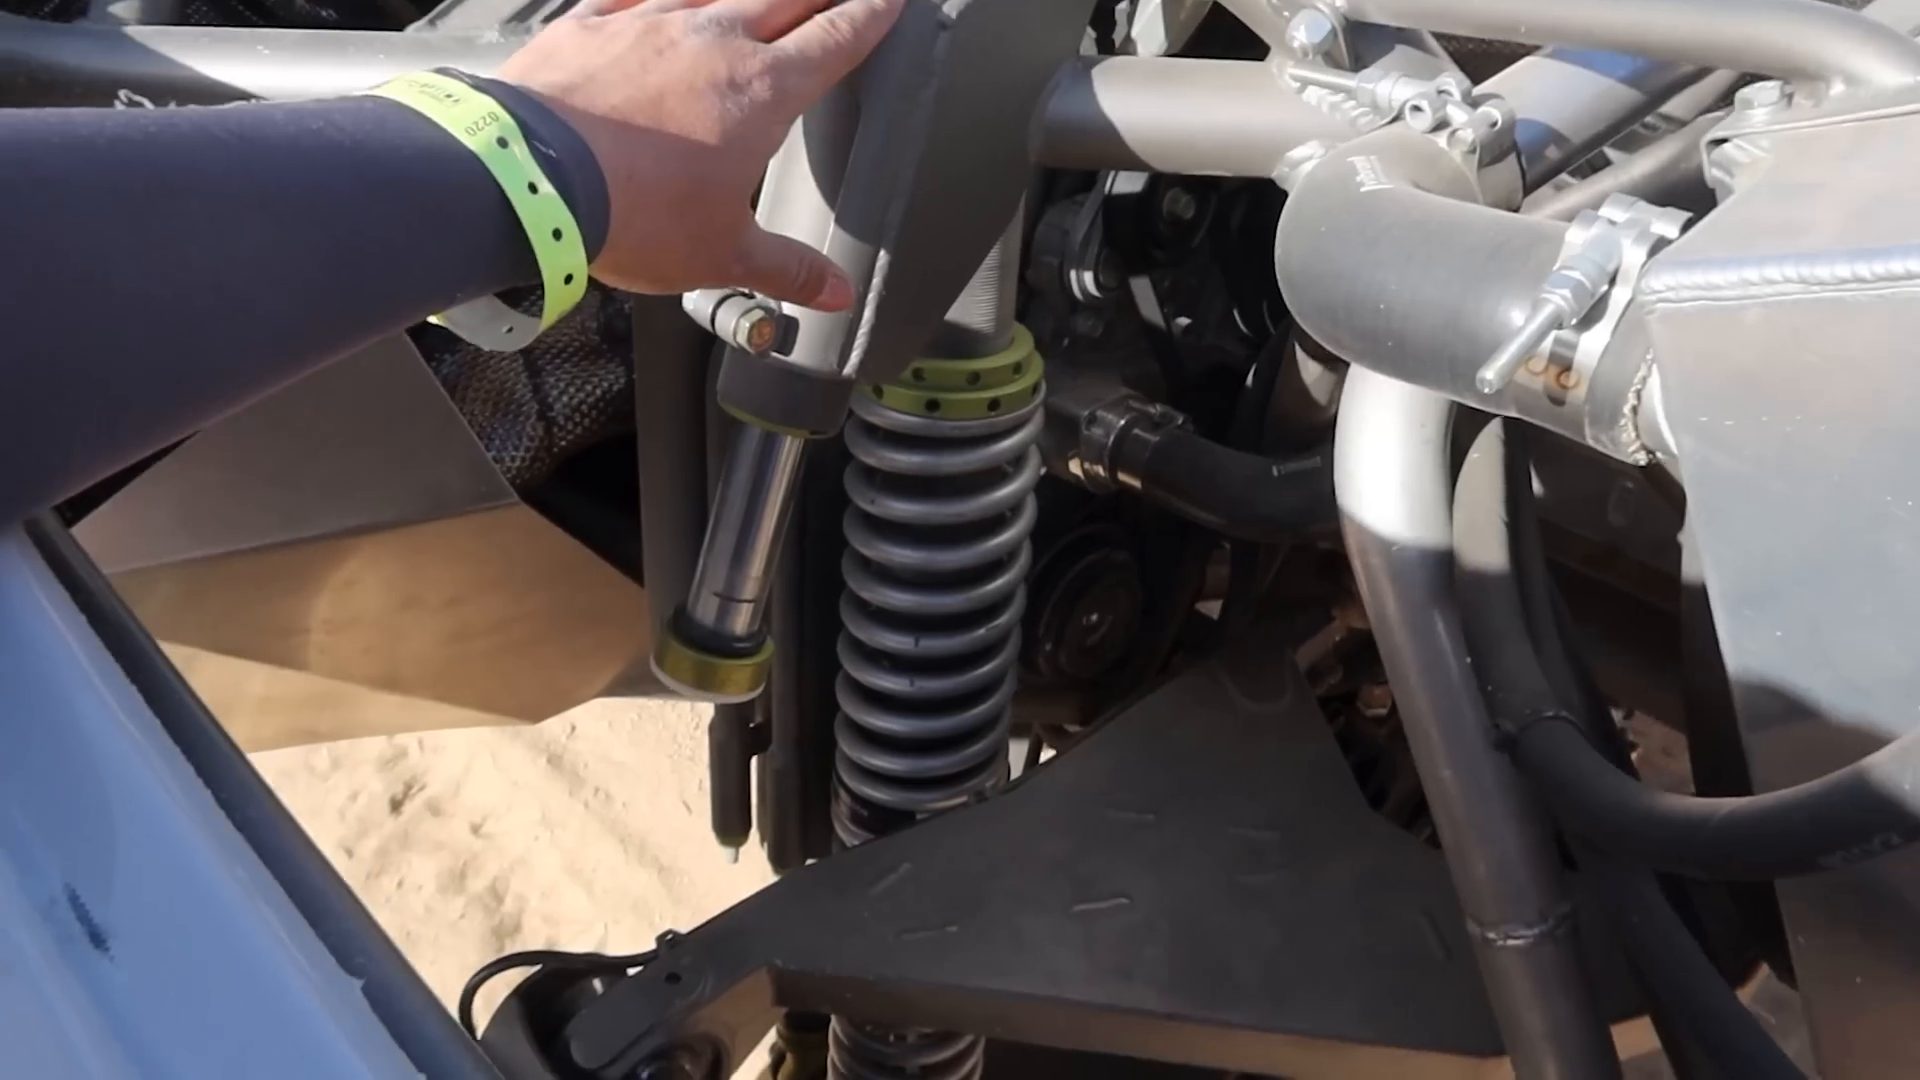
(1558, 347)
(1114, 435)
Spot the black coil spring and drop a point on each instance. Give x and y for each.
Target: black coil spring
(936, 566)
(858, 1052)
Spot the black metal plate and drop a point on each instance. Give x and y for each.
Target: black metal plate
(1199, 882)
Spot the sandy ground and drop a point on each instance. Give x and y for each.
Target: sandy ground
(586, 832)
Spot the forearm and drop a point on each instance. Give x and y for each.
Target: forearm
(161, 268)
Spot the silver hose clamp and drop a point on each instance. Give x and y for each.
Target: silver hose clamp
(1557, 348)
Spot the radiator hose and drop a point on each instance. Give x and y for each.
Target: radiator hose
(1238, 494)
(1845, 817)
(1499, 592)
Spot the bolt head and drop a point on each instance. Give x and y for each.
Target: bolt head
(1453, 86)
(1179, 205)
(1761, 96)
(1089, 324)
(1620, 503)
(1311, 34)
(756, 330)
(1375, 700)
(1423, 112)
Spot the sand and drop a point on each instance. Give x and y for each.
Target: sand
(586, 832)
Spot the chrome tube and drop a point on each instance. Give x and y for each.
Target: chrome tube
(749, 517)
(1802, 40)
(753, 499)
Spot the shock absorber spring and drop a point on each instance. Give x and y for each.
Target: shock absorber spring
(935, 569)
(859, 1052)
(941, 508)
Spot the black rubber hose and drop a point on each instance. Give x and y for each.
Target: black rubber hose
(1676, 972)
(1846, 817)
(730, 752)
(1686, 987)
(1716, 752)
(1841, 819)
(1249, 562)
(1236, 494)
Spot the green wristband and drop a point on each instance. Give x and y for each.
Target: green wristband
(483, 126)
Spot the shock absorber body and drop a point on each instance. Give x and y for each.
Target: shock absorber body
(941, 507)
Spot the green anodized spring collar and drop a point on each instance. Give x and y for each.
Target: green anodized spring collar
(975, 389)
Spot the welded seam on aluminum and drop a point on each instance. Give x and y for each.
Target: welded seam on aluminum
(1732, 280)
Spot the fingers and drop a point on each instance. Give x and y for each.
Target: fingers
(588, 8)
(786, 269)
(771, 20)
(826, 48)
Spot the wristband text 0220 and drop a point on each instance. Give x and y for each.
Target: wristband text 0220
(486, 128)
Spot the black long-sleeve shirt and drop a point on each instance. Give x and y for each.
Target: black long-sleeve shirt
(161, 268)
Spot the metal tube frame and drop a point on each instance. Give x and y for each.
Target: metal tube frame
(1394, 489)
(1819, 45)
(1167, 114)
(1579, 100)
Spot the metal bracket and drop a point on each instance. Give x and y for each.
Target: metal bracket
(1562, 372)
(743, 320)
(1477, 129)
(1199, 882)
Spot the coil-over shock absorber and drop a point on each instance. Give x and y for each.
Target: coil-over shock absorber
(941, 507)
(941, 488)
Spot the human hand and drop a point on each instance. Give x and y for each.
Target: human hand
(684, 102)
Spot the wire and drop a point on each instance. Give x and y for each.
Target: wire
(541, 958)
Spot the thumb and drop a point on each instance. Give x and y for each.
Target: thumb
(786, 269)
